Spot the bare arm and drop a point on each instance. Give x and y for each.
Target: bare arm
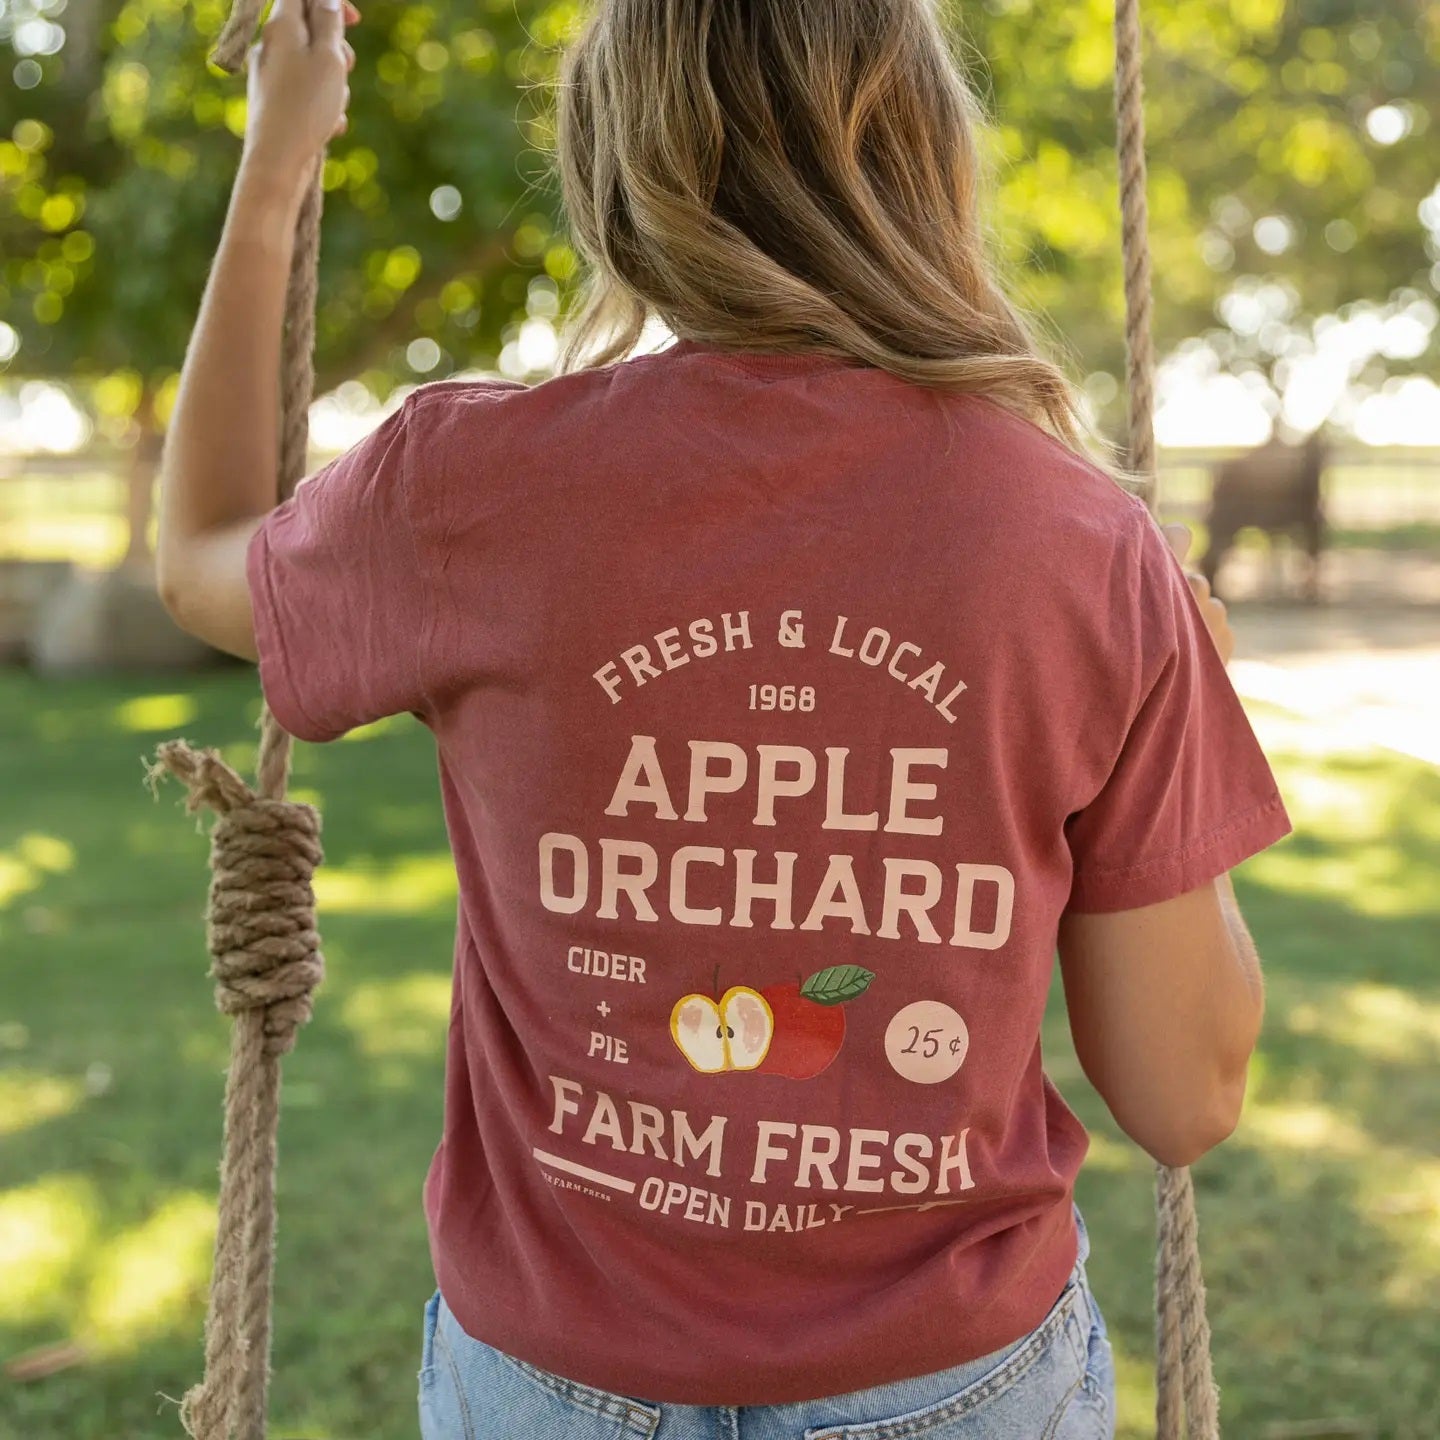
(1245, 952)
(1165, 1006)
(218, 470)
(1166, 1001)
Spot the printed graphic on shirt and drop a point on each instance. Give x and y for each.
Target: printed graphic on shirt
(927, 1041)
(796, 1158)
(793, 1028)
(789, 1029)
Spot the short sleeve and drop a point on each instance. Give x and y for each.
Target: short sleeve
(337, 594)
(1190, 794)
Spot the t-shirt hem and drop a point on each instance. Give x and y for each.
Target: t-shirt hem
(645, 1378)
(1164, 877)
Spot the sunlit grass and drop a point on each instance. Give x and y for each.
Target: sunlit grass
(1397, 1187)
(1376, 814)
(59, 1257)
(1337, 803)
(408, 885)
(46, 1230)
(1377, 1020)
(397, 1017)
(1134, 1388)
(27, 1098)
(25, 864)
(148, 1275)
(1375, 882)
(1309, 1128)
(156, 712)
(1106, 1153)
(374, 730)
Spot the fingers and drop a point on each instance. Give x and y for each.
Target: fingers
(287, 20)
(327, 22)
(1179, 537)
(311, 22)
(1212, 610)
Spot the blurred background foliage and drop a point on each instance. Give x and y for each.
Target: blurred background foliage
(120, 143)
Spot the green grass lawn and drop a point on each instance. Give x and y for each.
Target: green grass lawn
(1320, 1218)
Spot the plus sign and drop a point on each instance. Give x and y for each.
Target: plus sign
(603, 1008)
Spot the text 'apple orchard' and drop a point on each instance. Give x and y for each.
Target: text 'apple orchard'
(681, 881)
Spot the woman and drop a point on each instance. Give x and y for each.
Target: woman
(796, 690)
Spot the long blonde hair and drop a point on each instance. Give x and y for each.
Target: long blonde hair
(793, 176)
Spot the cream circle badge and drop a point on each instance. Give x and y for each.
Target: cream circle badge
(926, 1042)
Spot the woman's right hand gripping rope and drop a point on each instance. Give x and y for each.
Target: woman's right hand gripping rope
(1213, 609)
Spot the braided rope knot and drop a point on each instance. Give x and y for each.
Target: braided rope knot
(260, 924)
(264, 946)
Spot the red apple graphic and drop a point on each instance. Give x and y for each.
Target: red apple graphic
(809, 1020)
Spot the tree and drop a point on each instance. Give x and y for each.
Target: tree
(1286, 141)
(113, 192)
(1287, 160)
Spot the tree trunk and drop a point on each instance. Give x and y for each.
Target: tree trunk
(140, 481)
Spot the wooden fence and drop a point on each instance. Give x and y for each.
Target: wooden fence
(73, 506)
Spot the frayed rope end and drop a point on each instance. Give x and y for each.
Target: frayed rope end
(206, 777)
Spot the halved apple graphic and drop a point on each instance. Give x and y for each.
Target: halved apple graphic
(809, 1020)
(793, 1028)
(733, 1035)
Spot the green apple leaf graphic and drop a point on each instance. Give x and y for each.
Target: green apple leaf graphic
(837, 983)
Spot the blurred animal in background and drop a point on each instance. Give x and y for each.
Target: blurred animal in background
(1275, 488)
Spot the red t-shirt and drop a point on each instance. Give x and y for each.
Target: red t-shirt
(780, 707)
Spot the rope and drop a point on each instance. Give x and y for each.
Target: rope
(1186, 1401)
(260, 922)
(1135, 242)
(265, 958)
(1182, 1333)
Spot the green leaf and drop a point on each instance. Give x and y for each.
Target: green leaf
(837, 983)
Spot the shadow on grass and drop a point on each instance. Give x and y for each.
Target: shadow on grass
(1319, 1217)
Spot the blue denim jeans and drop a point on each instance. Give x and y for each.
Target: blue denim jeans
(1057, 1383)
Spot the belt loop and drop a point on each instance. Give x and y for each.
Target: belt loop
(1077, 1332)
(1085, 1305)
(1082, 1232)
